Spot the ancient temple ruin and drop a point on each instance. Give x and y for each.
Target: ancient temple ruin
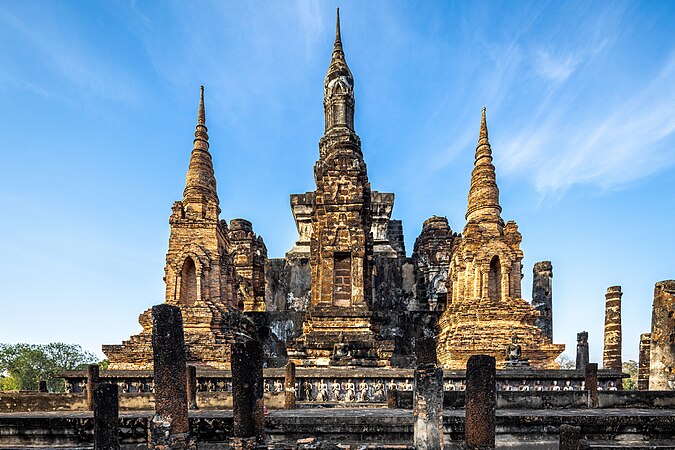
(346, 294)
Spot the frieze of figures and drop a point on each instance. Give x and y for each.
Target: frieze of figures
(346, 389)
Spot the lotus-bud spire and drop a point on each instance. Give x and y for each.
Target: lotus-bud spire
(484, 193)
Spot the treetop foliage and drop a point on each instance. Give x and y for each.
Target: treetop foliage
(23, 366)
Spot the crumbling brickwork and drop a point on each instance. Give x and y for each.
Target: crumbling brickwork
(341, 241)
(200, 273)
(643, 362)
(662, 346)
(249, 255)
(484, 306)
(431, 257)
(542, 297)
(611, 356)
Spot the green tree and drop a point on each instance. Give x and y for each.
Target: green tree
(631, 368)
(23, 365)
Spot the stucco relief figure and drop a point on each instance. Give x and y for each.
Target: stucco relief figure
(379, 391)
(568, 386)
(449, 386)
(524, 386)
(278, 386)
(363, 391)
(336, 391)
(308, 391)
(407, 386)
(322, 396)
(538, 386)
(350, 391)
(391, 385)
(554, 386)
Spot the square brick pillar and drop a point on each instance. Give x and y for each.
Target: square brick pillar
(106, 416)
(591, 383)
(169, 427)
(289, 386)
(481, 402)
(643, 362)
(192, 387)
(427, 397)
(92, 382)
(247, 392)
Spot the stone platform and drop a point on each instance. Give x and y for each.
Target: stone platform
(386, 428)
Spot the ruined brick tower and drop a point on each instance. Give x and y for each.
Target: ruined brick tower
(485, 313)
(200, 273)
(338, 328)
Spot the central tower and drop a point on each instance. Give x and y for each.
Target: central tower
(338, 328)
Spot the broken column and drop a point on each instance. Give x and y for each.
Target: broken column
(428, 397)
(92, 382)
(662, 345)
(591, 383)
(192, 387)
(247, 394)
(643, 362)
(611, 356)
(106, 419)
(570, 437)
(169, 427)
(481, 402)
(289, 386)
(582, 351)
(542, 297)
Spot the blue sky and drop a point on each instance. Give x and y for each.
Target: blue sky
(99, 103)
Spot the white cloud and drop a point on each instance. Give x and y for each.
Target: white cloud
(627, 143)
(555, 69)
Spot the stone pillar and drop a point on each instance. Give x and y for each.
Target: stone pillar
(662, 345)
(392, 398)
(192, 387)
(427, 397)
(289, 386)
(247, 393)
(92, 382)
(170, 426)
(611, 356)
(106, 421)
(591, 382)
(570, 437)
(643, 362)
(481, 402)
(542, 297)
(582, 351)
(42, 386)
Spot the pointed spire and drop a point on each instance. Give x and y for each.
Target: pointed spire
(338, 37)
(338, 66)
(338, 86)
(201, 116)
(484, 193)
(200, 184)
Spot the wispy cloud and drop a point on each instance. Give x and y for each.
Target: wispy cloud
(623, 144)
(556, 69)
(60, 53)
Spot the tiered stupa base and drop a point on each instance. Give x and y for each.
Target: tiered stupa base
(208, 346)
(340, 337)
(478, 327)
